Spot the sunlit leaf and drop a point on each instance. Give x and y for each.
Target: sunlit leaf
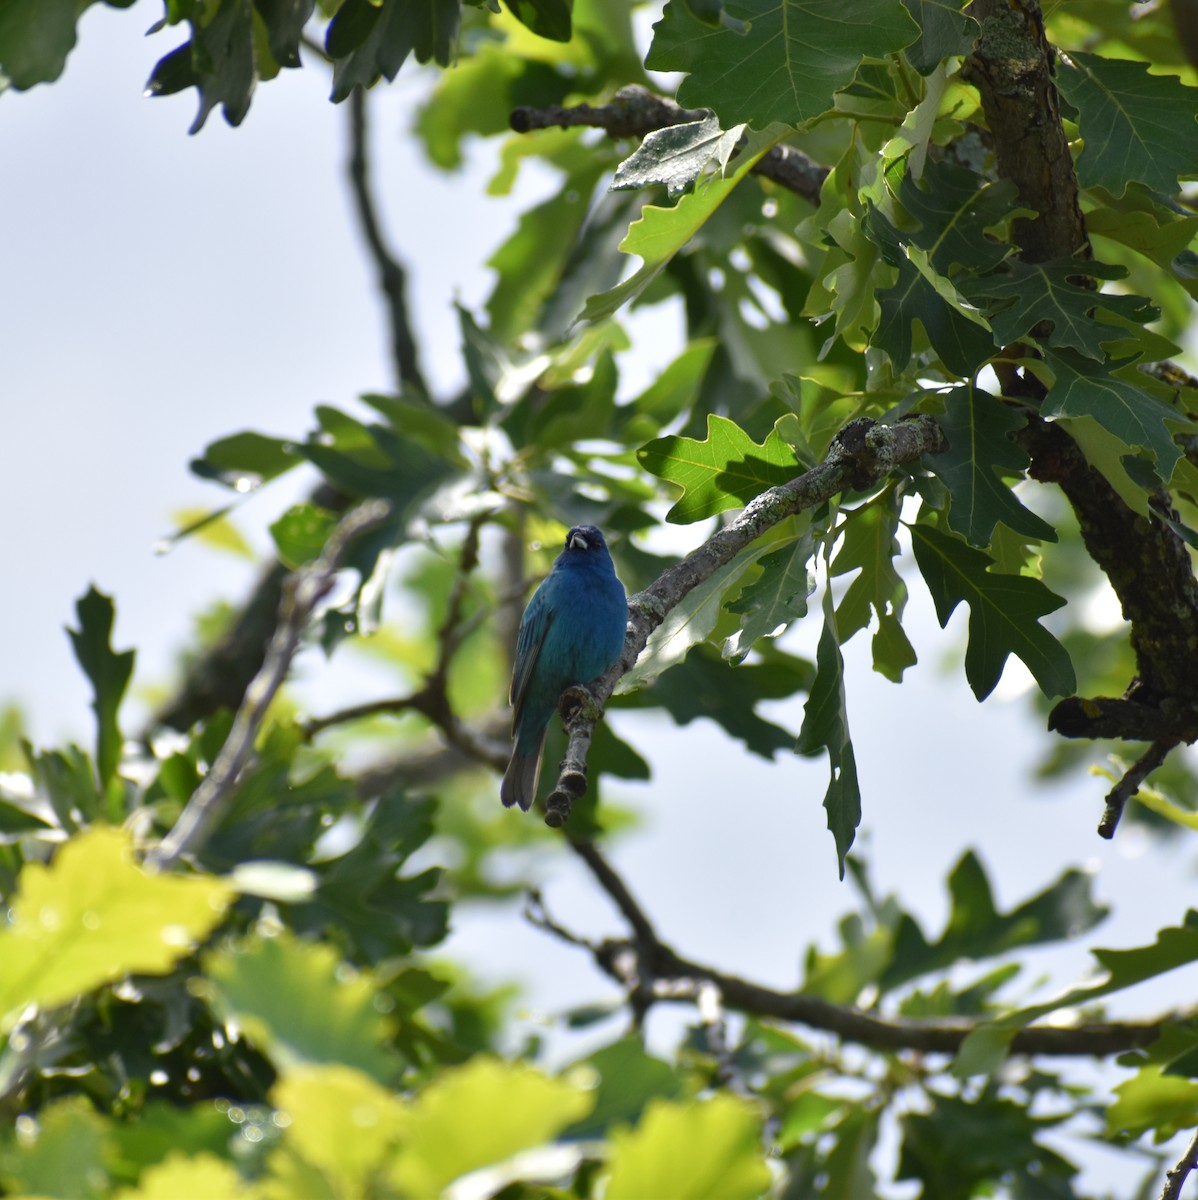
(92, 916)
(701, 1150)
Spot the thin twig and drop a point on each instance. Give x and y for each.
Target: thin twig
(392, 276)
(1127, 787)
(654, 973)
(302, 592)
(861, 456)
(389, 706)
(634, 112)
(449, 635)
(1176, 1176)
(609, 880)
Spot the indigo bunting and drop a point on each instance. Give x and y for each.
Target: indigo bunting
(571, 632)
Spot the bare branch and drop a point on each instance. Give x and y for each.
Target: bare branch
(302, 592)
(634, 112)
(1127, 787)
(862, 454)
(1176, 1176)
(655, 973)
(392, 276)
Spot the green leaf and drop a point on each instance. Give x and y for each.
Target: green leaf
(1025, 294)
(188, 1175)
(300, 1004)
(1086, 389)
(63, 1156)
(546, 18)
(35, 38)
(366, 40)
(726, 470)
(1136, 125)
(660, 233)
(93, 916)
(1003, 613)
(507, 1107)
(978, 429)
(1153, 1099)
(628, 1079)
(301, 532)
(778, 595)
(849, 1174)
(955, 208)
(219, 62)
(706, 686)
(868, 546)
(976, 930)
(342, 1123)
(363, 894)
(701, 1150)
(786, 66)
(1140, 225)
(677, 155)
(1175, 946)
(945, 32)
(922, 294)
(826, 725)
(245, 461)
(284, 21)
(108, 671)
(959, 1145)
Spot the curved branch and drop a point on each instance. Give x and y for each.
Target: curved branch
(393, 280)
(861, 455)
(1176, 1177)
(302, 592)
(655, 973)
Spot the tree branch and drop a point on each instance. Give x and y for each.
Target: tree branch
(653, 973)
(861, 455)
(634, 111)
(1012, 68)
(1127, 787)
(302, 592)
(1176, 1176)
(1146, 562)
(392, 276)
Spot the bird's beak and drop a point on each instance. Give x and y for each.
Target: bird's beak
(578, 541)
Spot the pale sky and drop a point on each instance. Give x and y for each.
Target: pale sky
(160, 291)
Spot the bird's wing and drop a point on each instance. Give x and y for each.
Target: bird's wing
(533, 628)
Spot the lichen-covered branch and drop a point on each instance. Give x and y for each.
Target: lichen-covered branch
(1012, 68)
(862, 454)
(1147, 563)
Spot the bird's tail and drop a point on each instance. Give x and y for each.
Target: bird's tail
(523, 773)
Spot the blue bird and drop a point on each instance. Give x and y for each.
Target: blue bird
(571, 632)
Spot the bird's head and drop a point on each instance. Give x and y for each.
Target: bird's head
(585, 540)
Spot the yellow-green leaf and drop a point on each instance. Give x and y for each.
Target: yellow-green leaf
(342, 1123)
(482, 1113)
(180, 1175)
(93, 916)
(298, 1003)
(705, 1150)
(725, 470)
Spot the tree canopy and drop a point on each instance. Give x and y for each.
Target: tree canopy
(935, 268)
